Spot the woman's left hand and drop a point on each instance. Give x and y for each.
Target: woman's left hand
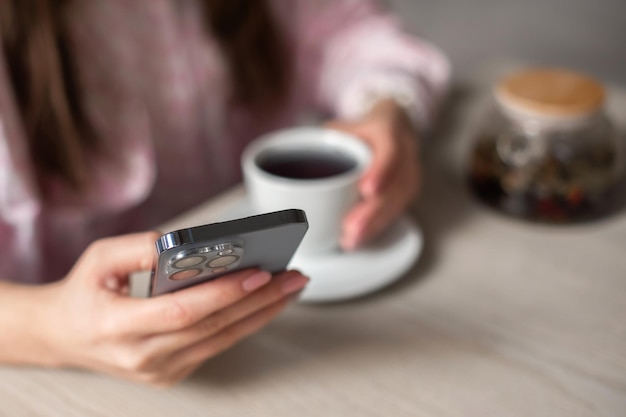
(393, 178)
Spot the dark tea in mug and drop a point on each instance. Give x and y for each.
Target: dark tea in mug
(306, 164)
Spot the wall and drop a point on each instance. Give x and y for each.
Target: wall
(584, 34)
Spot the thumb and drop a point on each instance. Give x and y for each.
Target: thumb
(108, 262)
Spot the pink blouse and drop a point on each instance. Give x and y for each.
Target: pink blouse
(155, 89)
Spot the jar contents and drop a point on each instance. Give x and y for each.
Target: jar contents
(548, 152)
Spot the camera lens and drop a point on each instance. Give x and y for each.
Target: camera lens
(185, 274)
(222, 261)
(188, 262)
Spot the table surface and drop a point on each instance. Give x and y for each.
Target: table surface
(497, 318)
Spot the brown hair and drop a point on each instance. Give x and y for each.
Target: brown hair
(43, 76)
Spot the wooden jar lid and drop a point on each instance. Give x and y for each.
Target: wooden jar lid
(550, 92)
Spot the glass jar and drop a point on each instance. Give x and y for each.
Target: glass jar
(548, 151)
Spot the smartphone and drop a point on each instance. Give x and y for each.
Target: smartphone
(191, 256)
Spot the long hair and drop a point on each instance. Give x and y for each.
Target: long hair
(43, 76)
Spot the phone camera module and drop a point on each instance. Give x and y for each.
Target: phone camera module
(204, 261)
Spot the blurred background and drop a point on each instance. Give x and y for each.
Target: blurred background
(587, 35)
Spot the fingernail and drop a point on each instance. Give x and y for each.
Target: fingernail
(256, 280)
(349, 243)
(352, 236)
(369, 189)
(294, 284)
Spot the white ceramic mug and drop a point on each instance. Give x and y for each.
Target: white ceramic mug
(314, 169)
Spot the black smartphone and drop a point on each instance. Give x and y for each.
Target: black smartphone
(190, 256)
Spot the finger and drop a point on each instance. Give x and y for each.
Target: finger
(181, 309)
(225, 339)
(372, 215)
(385, 153)
(281, 286)
(385, 159)
(117, 257)
(394, 152)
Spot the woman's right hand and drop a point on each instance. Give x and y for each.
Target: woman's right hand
(161, 340)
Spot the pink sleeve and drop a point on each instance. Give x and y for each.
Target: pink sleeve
(353, 52)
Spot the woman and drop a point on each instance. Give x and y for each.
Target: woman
(110, 108)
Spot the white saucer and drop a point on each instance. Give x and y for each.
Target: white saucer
(340, 275)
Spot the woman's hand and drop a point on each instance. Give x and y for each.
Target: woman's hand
(393, 178)
(90, 323)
